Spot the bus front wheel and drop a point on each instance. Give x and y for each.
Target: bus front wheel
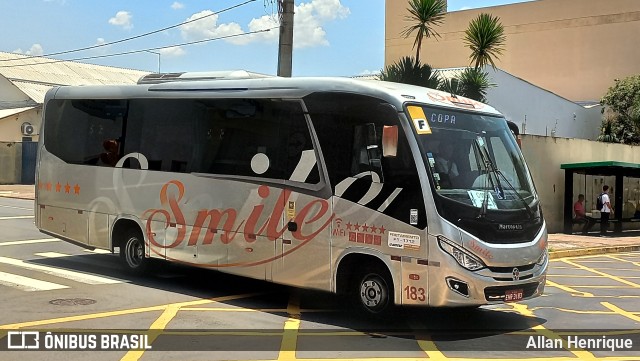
(132, 253)
(373, 291)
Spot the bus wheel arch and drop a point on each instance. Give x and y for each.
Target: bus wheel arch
(128, 236)
(367, 281)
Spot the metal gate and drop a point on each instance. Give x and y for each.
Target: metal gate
(29, 151)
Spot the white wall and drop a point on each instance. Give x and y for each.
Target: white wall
(546, 114)
(10, 127)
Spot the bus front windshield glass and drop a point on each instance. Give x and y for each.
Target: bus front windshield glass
(473, 159)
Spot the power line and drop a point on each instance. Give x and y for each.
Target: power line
(140, 35)
(142, 50)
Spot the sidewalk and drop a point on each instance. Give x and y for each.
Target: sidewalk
(560, 244)
(17, 191)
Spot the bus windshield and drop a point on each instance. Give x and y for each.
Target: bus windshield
(474, 159)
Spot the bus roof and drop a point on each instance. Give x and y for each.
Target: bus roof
(239, 84)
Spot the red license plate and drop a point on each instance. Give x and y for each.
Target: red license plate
(513, 295)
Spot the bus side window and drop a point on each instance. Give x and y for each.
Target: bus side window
(365, 156)
(349, 128)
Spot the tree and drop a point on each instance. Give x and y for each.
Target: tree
(485, 37)
(623, 113)
(470, 83)
(410, 71)
(608, 132)
(425, 15)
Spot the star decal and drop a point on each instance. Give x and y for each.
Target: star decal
(382, 229)
(374, 229)
(76, 189)
(58, 187)
(357, 227)
(67, 188)
(349, 226)
(365, 228)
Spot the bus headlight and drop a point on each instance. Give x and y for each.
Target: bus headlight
(464, 259)
(543, 258)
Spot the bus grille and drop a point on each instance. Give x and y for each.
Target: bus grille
(509, 269)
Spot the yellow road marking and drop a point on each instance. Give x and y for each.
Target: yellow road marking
(624, 260)
(430, 348)
(228, 309)
(602, 287)
(91, 316)
(291, 327)
(572, 311)
(588, 256)
(158, 326)
(588, 276)
(615, 278)
(620, 311)
(569, 289)
(523, 310)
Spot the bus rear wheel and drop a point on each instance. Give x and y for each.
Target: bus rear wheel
(132, 253)
(373, 292)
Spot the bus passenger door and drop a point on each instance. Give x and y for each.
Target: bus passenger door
(305, 248)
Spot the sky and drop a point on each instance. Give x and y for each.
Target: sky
(331, 37)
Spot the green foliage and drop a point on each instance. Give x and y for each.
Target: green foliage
(608, 132)
(485, 37)
(471, 83)
(623, 99)
(424, 15)
(410, 71)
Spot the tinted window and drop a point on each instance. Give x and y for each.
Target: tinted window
(85, 131)
(243, 137)
(349, 128)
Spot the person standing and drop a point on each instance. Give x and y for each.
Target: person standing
(605, 211)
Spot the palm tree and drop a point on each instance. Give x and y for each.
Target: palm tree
(470, 83)
(424, 14)
(485, 37)
(410, 71)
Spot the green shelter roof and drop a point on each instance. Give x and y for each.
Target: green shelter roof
(601, 164)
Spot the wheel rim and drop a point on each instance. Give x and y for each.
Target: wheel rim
(373, 293)
(134, 252)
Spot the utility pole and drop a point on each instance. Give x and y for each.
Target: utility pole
(285, 47)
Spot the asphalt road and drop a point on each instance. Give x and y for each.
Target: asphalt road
(194, 314)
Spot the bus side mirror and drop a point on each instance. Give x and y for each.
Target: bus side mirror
(389, 141)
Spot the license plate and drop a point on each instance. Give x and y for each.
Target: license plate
(513, 295)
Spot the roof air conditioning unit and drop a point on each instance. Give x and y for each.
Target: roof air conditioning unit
(27, 128)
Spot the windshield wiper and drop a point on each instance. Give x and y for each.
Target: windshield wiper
(488, 164)
(484, 154)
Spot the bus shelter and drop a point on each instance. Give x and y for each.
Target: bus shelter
(589, 177)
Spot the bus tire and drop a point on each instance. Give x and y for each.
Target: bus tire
(373, 291)
(132, 253)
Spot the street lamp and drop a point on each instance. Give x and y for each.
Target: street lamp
(158, 54)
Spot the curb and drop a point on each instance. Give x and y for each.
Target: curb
(592, 251)
(17, 196)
